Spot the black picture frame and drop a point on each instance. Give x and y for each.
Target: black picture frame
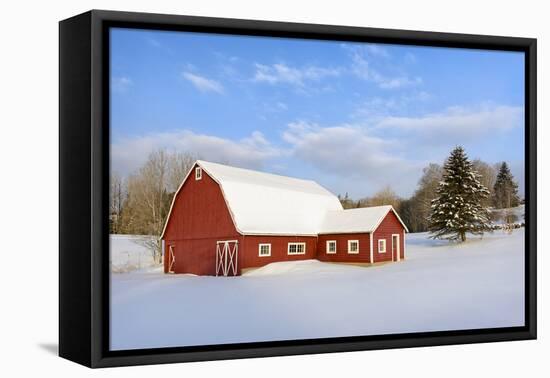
(84, 174)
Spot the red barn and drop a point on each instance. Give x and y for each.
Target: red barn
(224, 220)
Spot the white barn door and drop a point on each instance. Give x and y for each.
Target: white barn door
(227, 253)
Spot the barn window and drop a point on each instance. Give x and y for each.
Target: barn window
(382, 246)
(331, 247)
(198, 173)
(264, 250)
(296, 248)
(353, 246)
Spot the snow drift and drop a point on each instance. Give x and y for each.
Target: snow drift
(128, 253)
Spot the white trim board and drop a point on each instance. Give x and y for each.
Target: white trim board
(371, 241)
(398, 247)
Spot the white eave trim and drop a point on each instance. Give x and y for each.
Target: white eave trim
(345, 233)
(278, 234)
(371, 242)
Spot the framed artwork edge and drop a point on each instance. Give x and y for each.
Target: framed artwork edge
(83, 194)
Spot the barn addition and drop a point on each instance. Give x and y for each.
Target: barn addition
(224, 220)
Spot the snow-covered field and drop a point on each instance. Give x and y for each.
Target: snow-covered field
(440, 286)
(128, 253)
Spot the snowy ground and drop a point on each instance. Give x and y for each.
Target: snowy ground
(439, 286)
(499, 214)
(128, 253)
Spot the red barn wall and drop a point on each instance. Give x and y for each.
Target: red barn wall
(390, 225)
(342, 254)
(199, 219)
(249, 249)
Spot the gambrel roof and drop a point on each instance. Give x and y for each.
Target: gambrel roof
(263, 203)
(268, 204)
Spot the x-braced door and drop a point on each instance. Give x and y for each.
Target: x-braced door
(171, 259)
(227, 253)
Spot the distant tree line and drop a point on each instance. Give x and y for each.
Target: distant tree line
(415, 211)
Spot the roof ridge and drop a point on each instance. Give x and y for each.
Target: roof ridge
(366, 207)
(200, 162)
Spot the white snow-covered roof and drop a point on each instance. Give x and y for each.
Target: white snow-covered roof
(263, 203)
(364, 219)
(268, 204)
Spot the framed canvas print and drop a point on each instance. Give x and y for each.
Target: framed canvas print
(234, 188)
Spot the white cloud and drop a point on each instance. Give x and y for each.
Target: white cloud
(121, 84)
(362, 67)
(410, 58)
(202, 83)
(270, 108)
(251, 152)
(457, 123)
(370, 49)
(393, 150)
(281, 106)
(361, 56)
(280, 73)
(153, 41)
(398, 82)
(352, 153)
(376, 50)
(376, 107)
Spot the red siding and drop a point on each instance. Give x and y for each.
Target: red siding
(249, 254)
(342, 254)
(199, 218)
(389, 226)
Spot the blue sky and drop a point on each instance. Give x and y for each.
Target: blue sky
(354, 117)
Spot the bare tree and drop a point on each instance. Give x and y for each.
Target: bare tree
(346, 201)
(427, 191)
(386, 196)
(148, 200)
(488, 177)
(117, 197)
(179, 164)
(415, 211)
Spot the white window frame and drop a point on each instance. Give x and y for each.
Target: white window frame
(328, 247)
(350, 242)
(268, 245)
(297, 244)
(382, 250)
(198, 173)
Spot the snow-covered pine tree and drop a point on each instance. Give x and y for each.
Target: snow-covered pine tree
(505, 189)
(458, 208)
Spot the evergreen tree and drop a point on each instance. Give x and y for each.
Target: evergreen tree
(458, 208)
(505, 189)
